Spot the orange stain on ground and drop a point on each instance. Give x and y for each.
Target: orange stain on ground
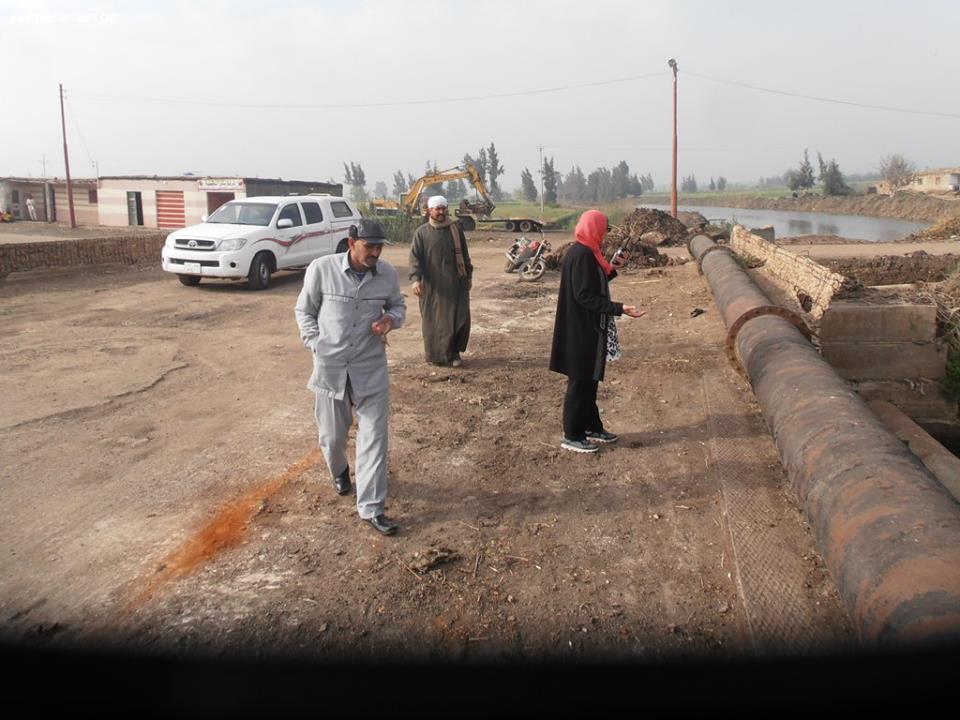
(226, 530)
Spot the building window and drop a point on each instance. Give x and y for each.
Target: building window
(92, 196)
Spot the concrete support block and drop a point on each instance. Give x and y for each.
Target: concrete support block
(902, 322)
(920, 399)
(886, 360)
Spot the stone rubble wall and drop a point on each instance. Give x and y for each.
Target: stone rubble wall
(805, 277)
(128, 249)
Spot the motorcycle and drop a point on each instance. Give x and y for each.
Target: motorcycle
(528, 257)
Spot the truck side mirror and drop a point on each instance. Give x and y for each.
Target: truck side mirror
(284, 223)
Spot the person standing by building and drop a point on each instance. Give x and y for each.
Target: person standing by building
(581, 329)
(348, 304)
(442, 276)
(31, 209)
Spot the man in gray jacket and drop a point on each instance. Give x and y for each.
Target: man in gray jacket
(348, 304)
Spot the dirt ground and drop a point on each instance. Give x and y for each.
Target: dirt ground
(163, 490)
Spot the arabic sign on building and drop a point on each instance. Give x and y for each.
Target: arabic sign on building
(217, 184)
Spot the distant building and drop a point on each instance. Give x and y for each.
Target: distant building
(50, 199)
(178, 201)
(942, 180)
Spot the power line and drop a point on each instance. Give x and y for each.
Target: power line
(344, 106)
(495, 96)
(823, 99)
(76, 126)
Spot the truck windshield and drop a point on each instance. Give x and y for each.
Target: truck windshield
(236, 213)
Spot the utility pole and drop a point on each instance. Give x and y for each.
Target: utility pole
(43, 163)
(540, 148)
(673, 194)
(66, 162)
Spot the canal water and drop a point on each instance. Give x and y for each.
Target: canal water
(790, 223)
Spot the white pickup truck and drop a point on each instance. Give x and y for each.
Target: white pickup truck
(254, 237)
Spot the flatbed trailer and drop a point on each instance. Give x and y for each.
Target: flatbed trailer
(511, 224)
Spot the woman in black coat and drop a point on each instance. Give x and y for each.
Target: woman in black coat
(579, 351)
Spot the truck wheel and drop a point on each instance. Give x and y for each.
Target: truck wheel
(510, 226)
(260, 272)
(468, 223)
(526, 226)
(342, 246)
(189, 280)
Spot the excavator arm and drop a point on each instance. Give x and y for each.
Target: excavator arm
(410, 201)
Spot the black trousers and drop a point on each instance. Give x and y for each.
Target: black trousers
(580, 412)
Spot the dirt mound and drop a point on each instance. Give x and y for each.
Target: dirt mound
(654, 227)
(948, 229)
(692, 219)
(639, 234)
(641, 255)
(895, 269)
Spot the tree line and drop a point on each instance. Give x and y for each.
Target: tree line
(487, 162)
(600, 186)
(895, 169)
(609, 184)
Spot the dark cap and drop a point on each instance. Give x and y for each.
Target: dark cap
(369, 231)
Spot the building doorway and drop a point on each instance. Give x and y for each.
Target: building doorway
(216, 199)
(134, 208)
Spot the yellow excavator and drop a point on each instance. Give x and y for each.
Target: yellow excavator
(469, 213)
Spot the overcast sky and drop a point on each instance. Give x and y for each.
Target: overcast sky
(294, 89)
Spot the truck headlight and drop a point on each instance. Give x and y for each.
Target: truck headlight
(231, 244)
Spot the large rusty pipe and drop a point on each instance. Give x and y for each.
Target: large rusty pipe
(889, 533)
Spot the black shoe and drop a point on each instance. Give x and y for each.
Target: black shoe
(341, 483)
(382, 524)
(579, 446)
(602, 437)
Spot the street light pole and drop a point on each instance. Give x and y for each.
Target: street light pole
(673, 194)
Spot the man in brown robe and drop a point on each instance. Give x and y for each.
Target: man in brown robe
(442, 275)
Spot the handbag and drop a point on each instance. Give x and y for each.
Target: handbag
(613, 340)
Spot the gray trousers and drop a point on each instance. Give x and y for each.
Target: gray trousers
(334, 418)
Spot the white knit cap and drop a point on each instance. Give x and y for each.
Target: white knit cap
(436, 201)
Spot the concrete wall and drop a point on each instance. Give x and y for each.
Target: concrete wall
(806, 278)
(19, 257)
(113, 199)
(85, 212)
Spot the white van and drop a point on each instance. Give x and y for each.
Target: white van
(254, 237)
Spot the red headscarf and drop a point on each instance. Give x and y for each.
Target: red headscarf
(591, 228)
